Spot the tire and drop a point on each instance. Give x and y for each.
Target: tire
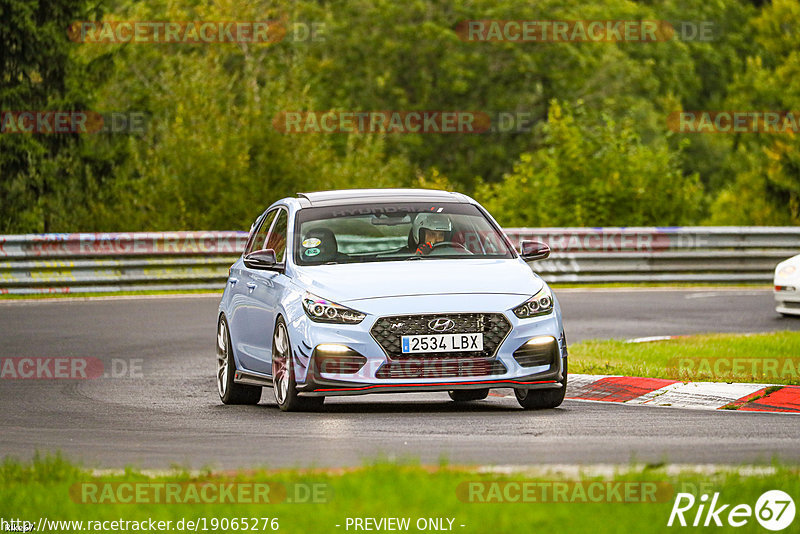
(283, 382)
(229, 391)
(466, 395)
(542, 399)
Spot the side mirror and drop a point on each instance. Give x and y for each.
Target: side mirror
(534, 250)
(261, 259)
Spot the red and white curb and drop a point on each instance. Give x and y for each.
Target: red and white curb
(677, 394)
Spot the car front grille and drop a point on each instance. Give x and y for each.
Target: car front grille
(440, 368)
(388, 331)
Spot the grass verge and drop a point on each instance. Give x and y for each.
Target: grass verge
(54, 489)
(772, 357)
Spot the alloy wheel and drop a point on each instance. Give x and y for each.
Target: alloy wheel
(280, 363)
(222, 359)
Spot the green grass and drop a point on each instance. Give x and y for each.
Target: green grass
(43, 489)
(771, 357)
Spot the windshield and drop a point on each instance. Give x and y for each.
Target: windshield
(395, 232)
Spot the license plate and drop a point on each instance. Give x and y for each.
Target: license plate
(442, 343)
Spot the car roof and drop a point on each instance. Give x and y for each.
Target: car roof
(355, 196)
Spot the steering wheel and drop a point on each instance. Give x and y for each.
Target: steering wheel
(448, 244)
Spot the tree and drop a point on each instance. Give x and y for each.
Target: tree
(594, 174)
(45, 178)
(766, 190)
(210, 157)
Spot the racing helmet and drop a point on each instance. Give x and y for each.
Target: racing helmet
(436, 222)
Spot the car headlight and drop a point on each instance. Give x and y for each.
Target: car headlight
(786, 270)
(324, 311)
(539, 304)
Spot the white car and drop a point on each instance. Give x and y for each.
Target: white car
(787, 286)
(387, 290)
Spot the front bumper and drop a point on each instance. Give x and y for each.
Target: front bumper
(501, 370)
(787, 299)
(318, 387)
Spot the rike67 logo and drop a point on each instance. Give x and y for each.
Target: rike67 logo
(774, 510)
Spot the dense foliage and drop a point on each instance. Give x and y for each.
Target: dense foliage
(595, 148)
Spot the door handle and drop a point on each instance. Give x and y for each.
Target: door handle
(251, 286)
(233, 281)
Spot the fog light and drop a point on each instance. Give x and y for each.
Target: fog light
(541, 340)
(332, 348)
(331, 358)
(540, 350)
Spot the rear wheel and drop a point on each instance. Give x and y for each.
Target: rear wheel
(542, 399)
(283, 382)
(466, 395)
(229, 391)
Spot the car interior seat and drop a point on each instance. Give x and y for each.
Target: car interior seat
(326, 250)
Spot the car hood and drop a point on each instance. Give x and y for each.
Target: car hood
(363, 281)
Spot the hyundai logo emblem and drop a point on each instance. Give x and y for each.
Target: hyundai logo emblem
(443, 324)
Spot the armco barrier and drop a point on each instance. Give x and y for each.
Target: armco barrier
(79, 263)
(728, 254)
(92, 262)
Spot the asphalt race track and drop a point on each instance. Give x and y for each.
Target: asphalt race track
(169, 412)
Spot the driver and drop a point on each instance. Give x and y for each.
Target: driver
(430, 229)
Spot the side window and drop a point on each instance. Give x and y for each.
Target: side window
(261, 234)
(276, 240)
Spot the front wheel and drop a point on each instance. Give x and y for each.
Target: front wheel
(542, 399)
(466, 395)
(283, 382)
